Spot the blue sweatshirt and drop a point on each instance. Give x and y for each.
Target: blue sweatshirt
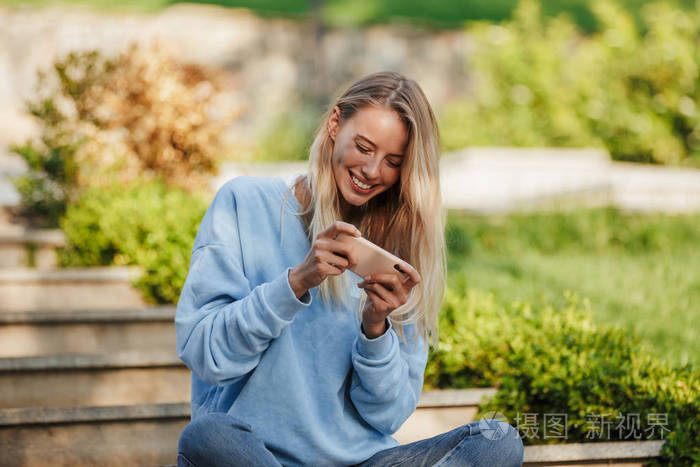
(304, 376)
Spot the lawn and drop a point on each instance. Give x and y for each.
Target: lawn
(646, 281)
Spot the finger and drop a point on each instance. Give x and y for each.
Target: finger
(337, 248)
(333, 260)
(377, 301)
(390, 281)
(414, 277)
(393, 283)
(338, 227)
(388, 297)
(343, 249)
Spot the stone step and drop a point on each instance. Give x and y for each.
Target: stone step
(36, 333)
(627, 453)
(93, 288)
(93, 380)
(144, 435)
(23, 247)
(441, 411)
(147, 434)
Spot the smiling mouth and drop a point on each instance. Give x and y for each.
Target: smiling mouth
(358, 187)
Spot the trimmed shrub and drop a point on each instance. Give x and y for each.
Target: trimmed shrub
(558, 361)
(145, 224)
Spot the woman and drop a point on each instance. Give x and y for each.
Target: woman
(283, 371)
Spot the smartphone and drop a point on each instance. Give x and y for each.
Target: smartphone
(373, 259)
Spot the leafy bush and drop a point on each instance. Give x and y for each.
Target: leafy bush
(538, 82)
(141, 114)
(558, 361)
(145, 224)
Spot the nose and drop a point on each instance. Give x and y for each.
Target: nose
(371, 169)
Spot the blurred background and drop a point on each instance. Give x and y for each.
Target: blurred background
(571, 149)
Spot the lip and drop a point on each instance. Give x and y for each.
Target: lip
(357, 188)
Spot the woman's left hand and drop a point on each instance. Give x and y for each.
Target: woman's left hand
(386, 292)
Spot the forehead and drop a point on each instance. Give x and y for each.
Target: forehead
(382, 126)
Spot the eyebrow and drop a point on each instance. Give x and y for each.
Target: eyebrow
(370, 142)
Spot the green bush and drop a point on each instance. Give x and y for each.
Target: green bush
(543, 82)
(141, 112)
(558, 361)
(144, 224)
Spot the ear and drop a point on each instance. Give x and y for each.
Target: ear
(334, 122)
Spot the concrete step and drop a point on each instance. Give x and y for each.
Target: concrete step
(94, 288)
(23, 247)
(442, 411)
(93, 380)
(36, 333)
(621, 453)
(147, 434)
(143, 435)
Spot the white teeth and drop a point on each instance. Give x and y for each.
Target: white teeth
(360, 184)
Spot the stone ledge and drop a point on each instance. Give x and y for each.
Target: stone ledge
(89, 274)
(577, 452)
(528, 157)
(45, 237)
(62, 415)
(148, 314)
(83, 361)
(455, 397)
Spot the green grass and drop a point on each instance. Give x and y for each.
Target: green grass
(445, 14)
(652, 290)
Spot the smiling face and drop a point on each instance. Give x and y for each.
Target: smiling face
(368, 152)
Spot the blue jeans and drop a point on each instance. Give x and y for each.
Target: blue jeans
(218, 439)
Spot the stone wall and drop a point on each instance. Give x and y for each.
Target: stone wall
(274, 62)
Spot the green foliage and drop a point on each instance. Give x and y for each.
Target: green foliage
(637, 270)
(343, 13)
(46, 188)
(144, 224)
(546, 360)
(542, 82)
(140, 112)
(53, 176)
(596, 230)
(289, 137)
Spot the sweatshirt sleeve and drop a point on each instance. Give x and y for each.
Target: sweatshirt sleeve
(222, 325)
(387, 377)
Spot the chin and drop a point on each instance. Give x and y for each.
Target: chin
(355, 201)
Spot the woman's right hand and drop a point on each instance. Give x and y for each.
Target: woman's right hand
(327, 257)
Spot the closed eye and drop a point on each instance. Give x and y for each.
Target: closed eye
(366, 151)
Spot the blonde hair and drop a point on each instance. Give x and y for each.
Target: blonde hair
(408, 219)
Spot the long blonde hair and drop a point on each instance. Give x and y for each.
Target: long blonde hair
(408, 219)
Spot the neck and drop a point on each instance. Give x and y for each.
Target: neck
(351, 214)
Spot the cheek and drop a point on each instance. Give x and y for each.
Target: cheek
(341, 155)
(393, 176)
